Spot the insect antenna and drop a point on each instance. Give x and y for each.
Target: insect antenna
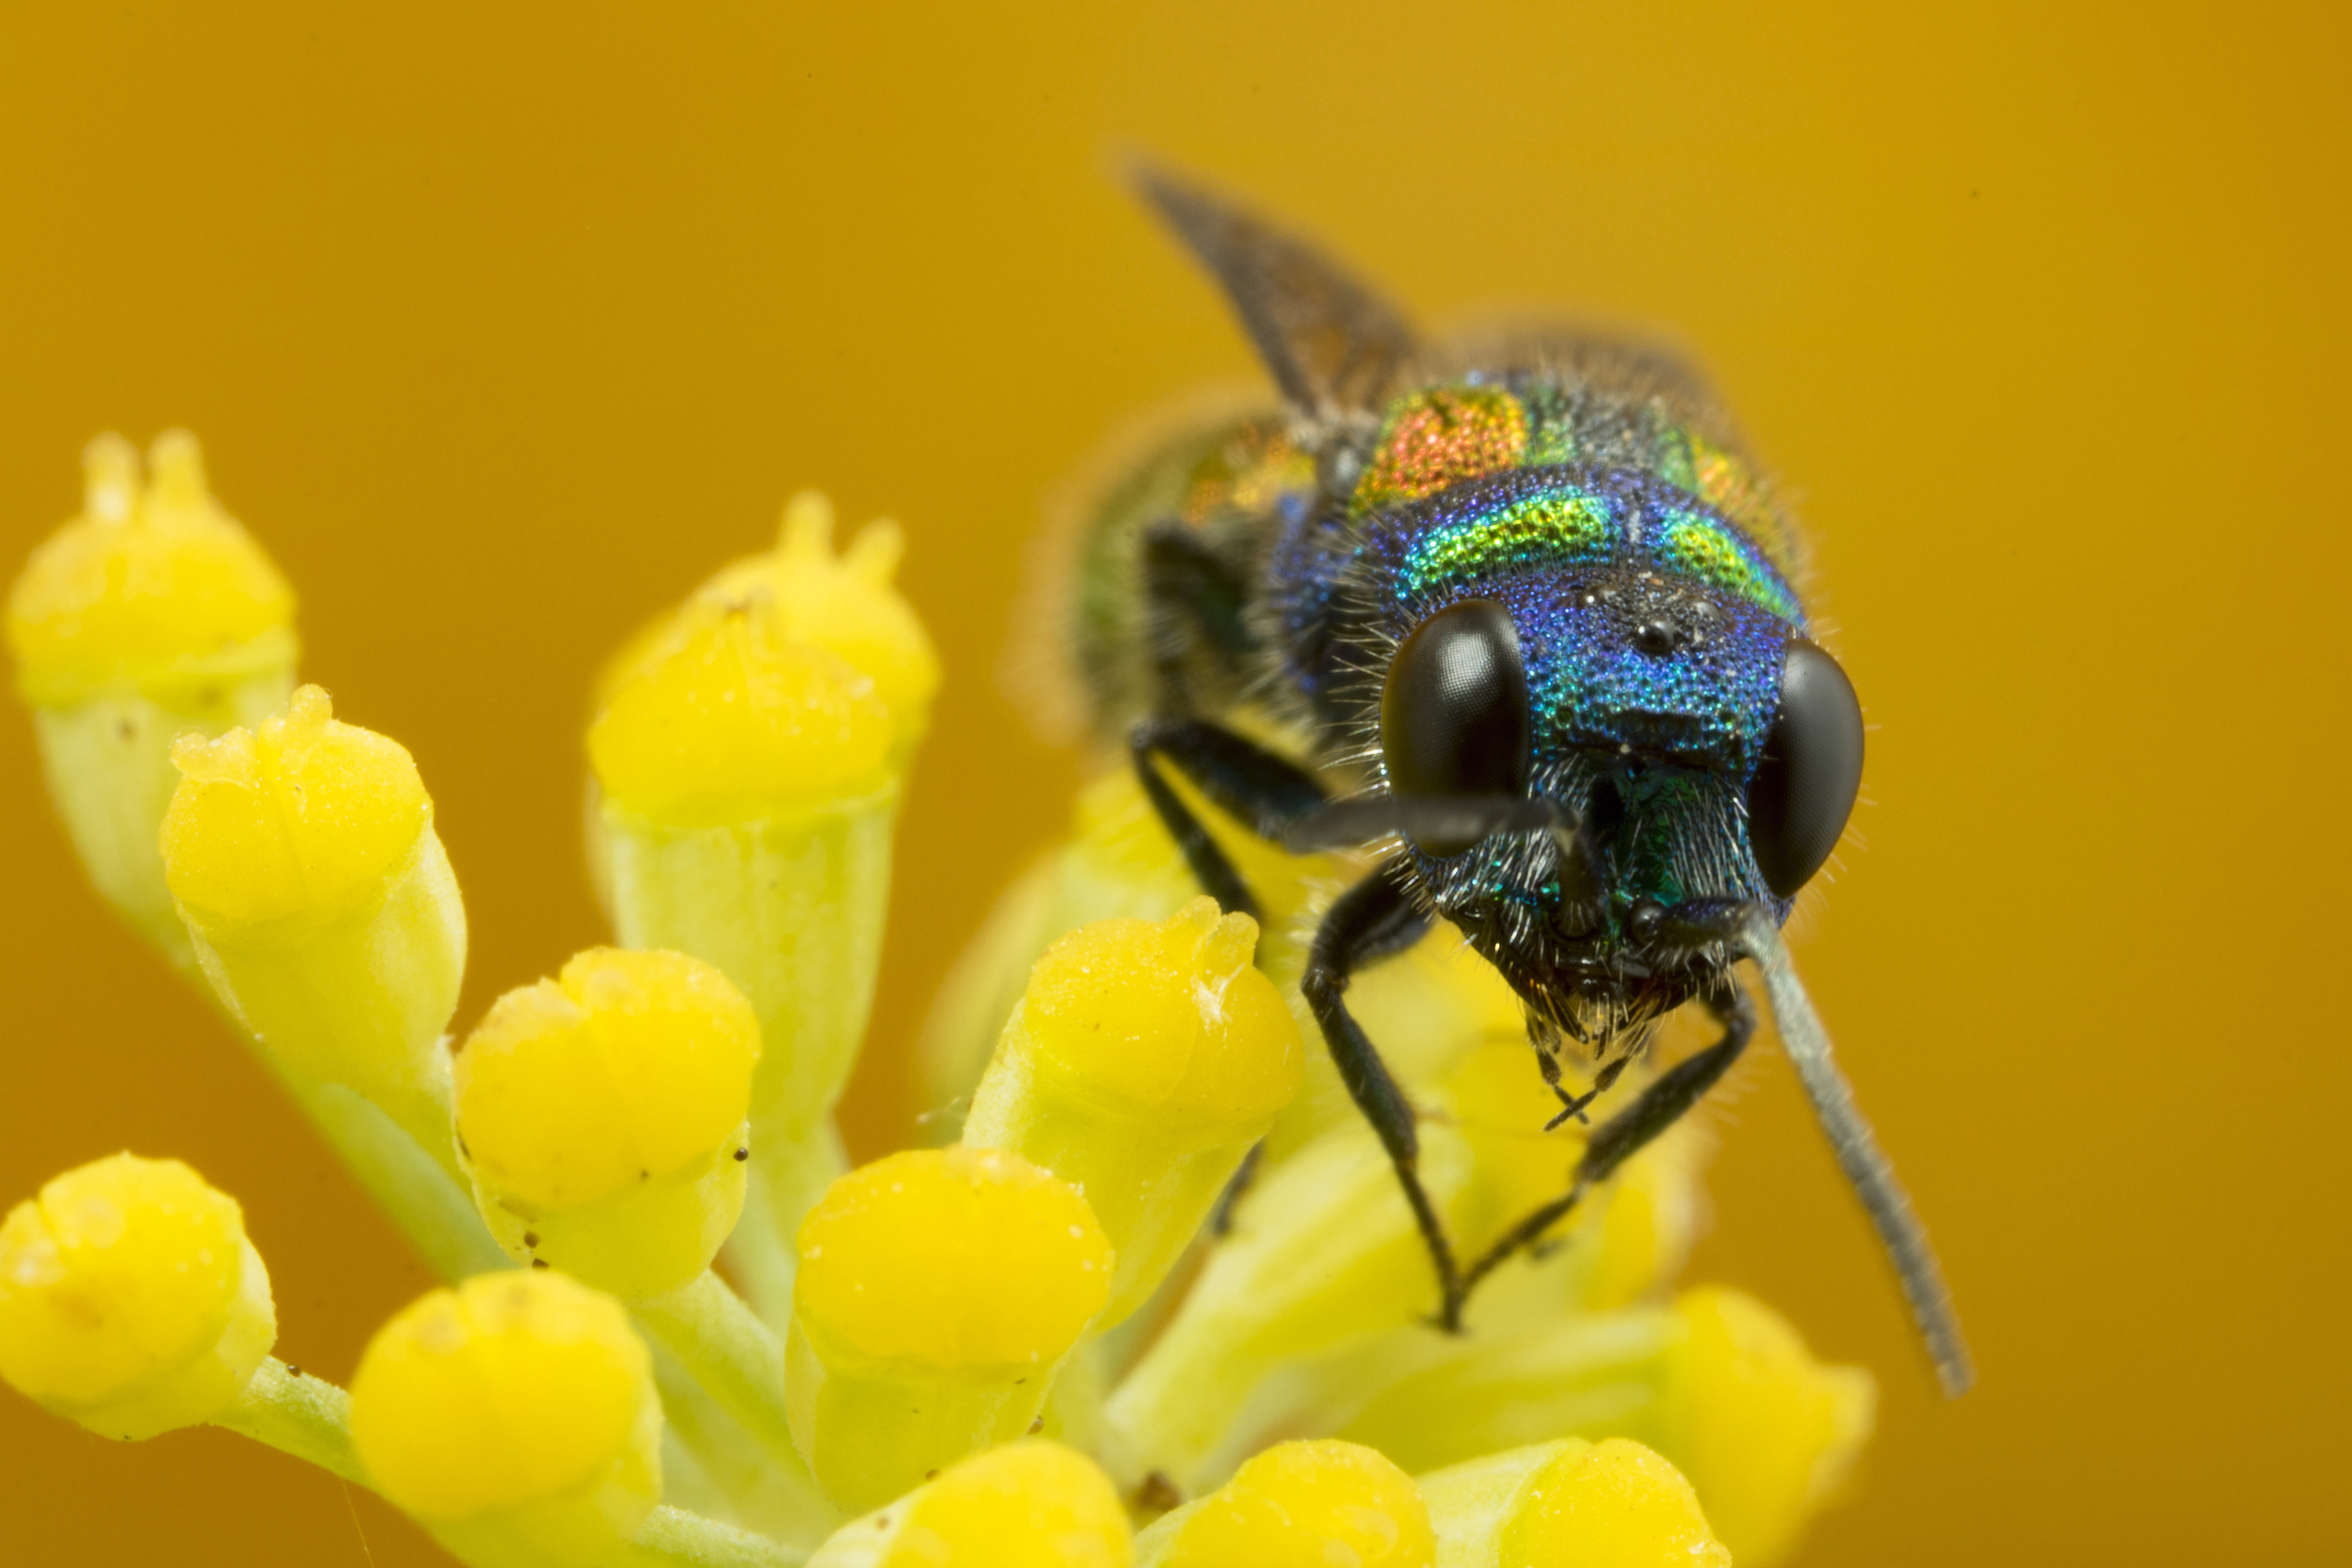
(1867, 1168)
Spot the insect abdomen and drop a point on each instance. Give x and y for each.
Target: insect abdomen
(1198, 506)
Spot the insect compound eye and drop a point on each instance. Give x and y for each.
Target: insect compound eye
(1804, 787)
(1453, 714)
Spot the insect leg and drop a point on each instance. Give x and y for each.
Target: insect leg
(1371, 920)
(1625, 1134)
(1237, 1186)
(1573, 1105)
(1241, 776)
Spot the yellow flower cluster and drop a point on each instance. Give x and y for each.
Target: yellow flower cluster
(1162, 1306)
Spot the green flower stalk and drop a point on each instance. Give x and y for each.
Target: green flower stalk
(1334, 1263)
(1322, 1290)
(151, 614)
(1020, 1349)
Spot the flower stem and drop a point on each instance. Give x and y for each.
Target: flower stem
(730, 1352)
(308, 1417)
(424, 1202)
(673, 1538)
(759, 1250)
(761, 1489)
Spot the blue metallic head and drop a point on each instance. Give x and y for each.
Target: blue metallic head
(1649, 641)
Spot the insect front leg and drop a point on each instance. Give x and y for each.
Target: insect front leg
(1628, 1132)
(1245, 779)
(1372, 920)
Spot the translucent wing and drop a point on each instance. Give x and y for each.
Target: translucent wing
(1332, 345)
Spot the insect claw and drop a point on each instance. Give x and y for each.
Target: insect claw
(1573, 1105)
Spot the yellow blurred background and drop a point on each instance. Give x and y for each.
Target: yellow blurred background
(502, 326)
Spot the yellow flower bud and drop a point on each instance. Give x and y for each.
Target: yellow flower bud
(939, 1292)
(1118, 862)
(158, 591)
(1425, 1009)
(1498, 1097)
(1648, 1219)
(323, 905)
(1604, 1505)
(129, 1299)
(302, 818)
(1031, 1504)
(843, 605)
(1764, 1430)
(736, 722)
(515, 1417)
(151, 614)
(1299, 1505)
(1140, 1066)
(602, 1114)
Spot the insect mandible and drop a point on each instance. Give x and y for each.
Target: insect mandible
(1534, 609)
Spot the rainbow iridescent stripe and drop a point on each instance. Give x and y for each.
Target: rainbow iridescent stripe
(1538, 520)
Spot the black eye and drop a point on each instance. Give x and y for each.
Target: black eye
(1454, 716)
(1804, 787)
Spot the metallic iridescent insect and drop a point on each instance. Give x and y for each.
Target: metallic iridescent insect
(1530, 606)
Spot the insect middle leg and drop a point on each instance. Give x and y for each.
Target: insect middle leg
(1372, 920)
(1627, 1133)
(1266, 791)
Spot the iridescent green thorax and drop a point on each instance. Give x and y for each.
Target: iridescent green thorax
(1438, 436)
(1569, 523)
